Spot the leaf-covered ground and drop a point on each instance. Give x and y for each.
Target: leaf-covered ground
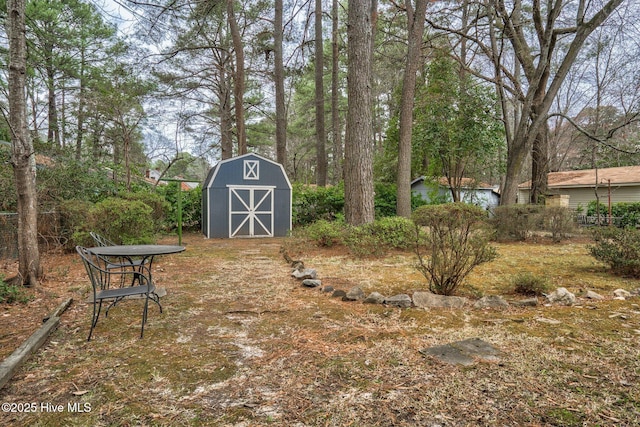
(241, 343)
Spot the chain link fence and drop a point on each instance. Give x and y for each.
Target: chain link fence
(49, 233)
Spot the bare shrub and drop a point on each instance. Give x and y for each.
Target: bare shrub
(516, 222)
(457, 238)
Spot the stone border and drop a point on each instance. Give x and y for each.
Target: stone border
(425, 299)
(10, 365)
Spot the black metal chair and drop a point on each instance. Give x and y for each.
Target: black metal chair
(119, 263)
(101, 279)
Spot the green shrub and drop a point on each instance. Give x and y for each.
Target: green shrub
(393, 232)
(67, 178)
(75, 223)
(311, 204)
(362, 242)
(626, 214)
(123, 221)
(158, 204)
(457, 239)
(368, 239)
(12, 293)
(619, 248)
(529, 284)
(191, 201)
(323, 233)
(386, 200)
(516, 222)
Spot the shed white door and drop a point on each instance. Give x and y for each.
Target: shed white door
(250, 211)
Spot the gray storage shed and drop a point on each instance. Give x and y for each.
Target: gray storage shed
(246, 196)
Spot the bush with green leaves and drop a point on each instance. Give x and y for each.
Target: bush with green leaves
(323, 233)
(456, 240)
(12, 293)
(123, 221)
(67, 178)
(375, 238)
(619, 248)
(530, 284)
(516, 222)
(191, 204)
(311, 203)
(627, 214)
(158, 204)
(393, 232)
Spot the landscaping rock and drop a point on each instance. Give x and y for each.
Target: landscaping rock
(562, 296)
(307, 273)
(401, 300)
(311, 283)
(354, 294)
(491, 301)
(621, 294)
(593, 295)
(529, 302)
(327, 288)
(374, 298)
(463, 352)
(430, 300)
(339, 293)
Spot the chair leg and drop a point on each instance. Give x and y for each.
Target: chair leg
(95, 316)
(144, 314)
(155, 298)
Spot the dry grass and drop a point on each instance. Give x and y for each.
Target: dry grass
(242, 344)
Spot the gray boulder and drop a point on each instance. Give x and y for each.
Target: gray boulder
(621, 294)
(562, 296)
(424, 299)
(374, 298)
(311, 283)
(491, 301)
(354, 294)
(401, 300)
(307, 273)
(593, 295)
(339, 293)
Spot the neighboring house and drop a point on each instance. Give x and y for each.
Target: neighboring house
(472, 192)
(622, 184)
(152, 176)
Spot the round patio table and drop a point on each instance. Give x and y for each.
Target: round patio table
(144, 254)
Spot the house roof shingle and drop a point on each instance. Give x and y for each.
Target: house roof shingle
(625, 175)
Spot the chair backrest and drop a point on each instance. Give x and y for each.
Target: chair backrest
(101, 240)
(96, 273)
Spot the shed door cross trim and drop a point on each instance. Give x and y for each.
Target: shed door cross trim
(250, 211)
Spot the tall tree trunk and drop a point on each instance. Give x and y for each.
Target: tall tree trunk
(238, 81)
(335, 94)
(81, 104)
(415, 22)
(22, 154)
(224, 95)
(539, 166)
(281, 113)
(358, 179)
(321, 157)
(53, 135)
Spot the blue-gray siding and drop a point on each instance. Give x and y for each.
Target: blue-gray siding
(232, 173)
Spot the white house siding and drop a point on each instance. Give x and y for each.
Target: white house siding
(581, 196)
